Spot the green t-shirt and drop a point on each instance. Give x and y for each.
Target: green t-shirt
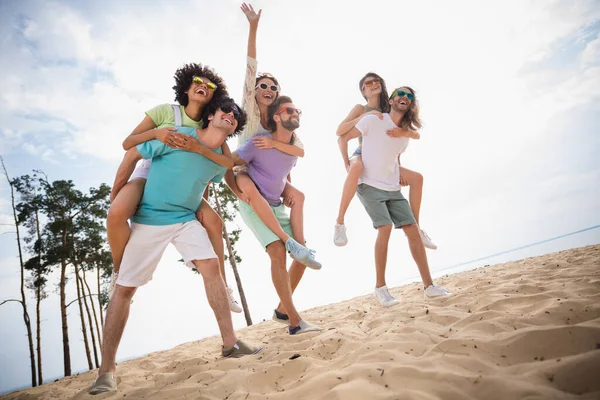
(176, 182)
(163, 115)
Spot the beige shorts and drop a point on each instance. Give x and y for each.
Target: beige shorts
(148, 243)
(142, 170)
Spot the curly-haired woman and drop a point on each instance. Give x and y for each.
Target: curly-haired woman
(374, 91)
(195, 87)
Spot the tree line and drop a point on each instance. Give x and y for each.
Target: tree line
(59, 228)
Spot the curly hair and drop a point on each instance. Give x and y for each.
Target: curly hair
(384, 106)
(411, 119)
(185, 75)
(225, 103)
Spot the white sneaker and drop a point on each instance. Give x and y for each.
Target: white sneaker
(434, 290)
(339, 237)
(113, 281)
(384, 297)
(427, 242)
(234, 306)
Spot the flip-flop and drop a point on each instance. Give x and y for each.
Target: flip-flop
(104, 383)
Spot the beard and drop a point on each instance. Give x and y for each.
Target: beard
(400, 108)
(290, 125)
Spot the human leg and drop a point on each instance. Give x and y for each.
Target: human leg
(350, 184)
(260, 205)
(414, 181)
(121, 209)
(214, 227)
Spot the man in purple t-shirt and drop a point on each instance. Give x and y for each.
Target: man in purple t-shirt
(268, 168)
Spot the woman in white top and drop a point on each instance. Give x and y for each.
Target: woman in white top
(260, 91)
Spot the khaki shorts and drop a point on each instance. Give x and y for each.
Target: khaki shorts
(385, 207)
(147, 244)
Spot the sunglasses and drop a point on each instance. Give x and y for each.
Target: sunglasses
(289, 110)
(232, 107)
(199, 81)
(371, 82)
(402, 93)
(264, 86)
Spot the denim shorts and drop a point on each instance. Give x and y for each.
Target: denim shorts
(357, 152)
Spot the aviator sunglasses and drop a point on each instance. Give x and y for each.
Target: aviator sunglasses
(264, 86)
(402, 93)
(371, 82)
(199, 81)
(289, 110)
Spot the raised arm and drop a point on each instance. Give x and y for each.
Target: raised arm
(352, 119)
(253, 19)
(146, 131)
(248, 96)
(132, 156)
(343, 144)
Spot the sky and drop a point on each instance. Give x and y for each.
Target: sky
(509, 93)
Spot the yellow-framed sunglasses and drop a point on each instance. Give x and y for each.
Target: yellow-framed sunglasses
(199, 81)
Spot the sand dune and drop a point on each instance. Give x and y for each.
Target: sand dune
(525, 329)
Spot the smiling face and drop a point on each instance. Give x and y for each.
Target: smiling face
(265, 94)
(225, 121)
(289, 116)
(201, 90)
(371, 87)
(401, 103)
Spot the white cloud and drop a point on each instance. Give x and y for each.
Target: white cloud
(76, 83)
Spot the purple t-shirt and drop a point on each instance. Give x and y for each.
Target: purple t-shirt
(268, 168)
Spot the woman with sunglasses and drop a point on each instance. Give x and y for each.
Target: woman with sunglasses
(260, 91)
(195, 87)
(374, 91)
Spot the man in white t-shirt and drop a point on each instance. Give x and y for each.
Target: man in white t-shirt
(379, 188)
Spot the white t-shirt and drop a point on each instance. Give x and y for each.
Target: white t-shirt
(380, 153)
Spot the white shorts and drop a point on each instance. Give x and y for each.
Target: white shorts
(141, 170)
(148, 243)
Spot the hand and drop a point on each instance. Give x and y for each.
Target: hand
(263, 142)
(289, 201)
(375, 112)
(252, 16)
(398, 132)
(113, 194)
(199, 216)
(185, 142)
(163, 134)
(403, 181)
(347, 165)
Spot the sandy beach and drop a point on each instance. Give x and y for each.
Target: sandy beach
(524, 329)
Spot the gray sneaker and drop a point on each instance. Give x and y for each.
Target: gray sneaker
(301, 254)
(303, 327)
(104, 383)
(241, 349)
